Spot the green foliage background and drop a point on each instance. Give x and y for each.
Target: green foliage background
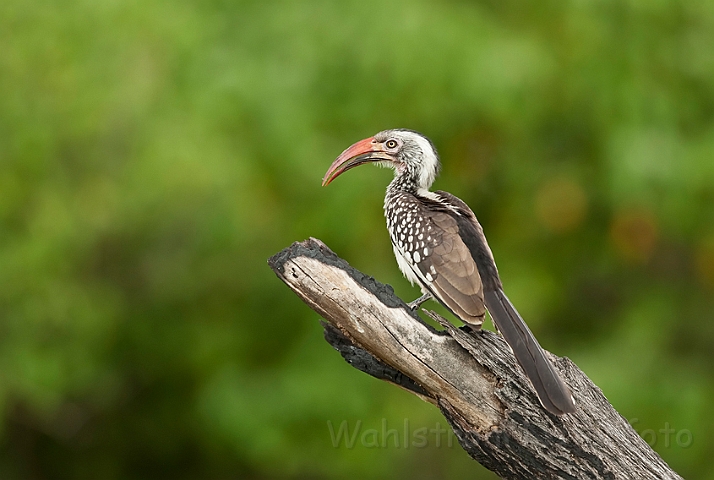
(154, 154)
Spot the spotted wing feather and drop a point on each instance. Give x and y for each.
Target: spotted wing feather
(448, 265)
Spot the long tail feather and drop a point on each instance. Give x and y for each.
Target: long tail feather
(552, 392)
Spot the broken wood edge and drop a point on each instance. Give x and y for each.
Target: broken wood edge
(472, 377)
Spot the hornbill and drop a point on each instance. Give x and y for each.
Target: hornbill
(440, 245)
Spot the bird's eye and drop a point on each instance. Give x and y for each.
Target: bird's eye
(391, 144)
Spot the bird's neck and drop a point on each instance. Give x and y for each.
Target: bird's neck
(409, 184)
(402, 183)
(410, 181)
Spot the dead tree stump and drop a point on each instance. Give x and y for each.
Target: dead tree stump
(472, 377)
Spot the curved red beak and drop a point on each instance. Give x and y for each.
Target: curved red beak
(364, 151)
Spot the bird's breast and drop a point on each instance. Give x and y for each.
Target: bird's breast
(409, 232)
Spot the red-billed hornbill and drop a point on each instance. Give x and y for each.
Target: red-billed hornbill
(440, 245)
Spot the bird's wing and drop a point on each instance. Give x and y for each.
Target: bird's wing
(552, 392)
(446, 263)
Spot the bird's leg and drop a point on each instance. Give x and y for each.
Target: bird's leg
(417, 303)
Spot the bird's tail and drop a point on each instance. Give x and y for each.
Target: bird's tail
(552, 392)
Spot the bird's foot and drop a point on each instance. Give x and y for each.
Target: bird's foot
(417, 303)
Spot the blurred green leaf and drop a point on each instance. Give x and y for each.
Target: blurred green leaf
(154, 154)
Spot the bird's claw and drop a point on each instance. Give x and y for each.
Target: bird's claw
(417, 303)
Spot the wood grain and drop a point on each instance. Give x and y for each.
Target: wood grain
(472, 377)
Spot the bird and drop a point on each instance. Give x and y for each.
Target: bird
(440, 246)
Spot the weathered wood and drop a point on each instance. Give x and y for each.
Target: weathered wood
(472, 377)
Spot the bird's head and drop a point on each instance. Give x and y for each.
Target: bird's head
(409, 153)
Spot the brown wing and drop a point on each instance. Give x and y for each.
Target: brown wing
(447, 264)
(552, 391)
